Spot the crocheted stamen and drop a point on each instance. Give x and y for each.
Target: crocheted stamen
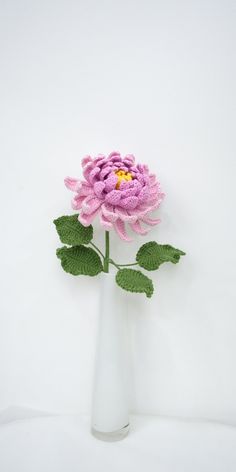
(122, 175)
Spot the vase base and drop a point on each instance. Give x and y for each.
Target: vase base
(113, 436)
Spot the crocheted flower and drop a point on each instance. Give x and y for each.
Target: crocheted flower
(117, 189)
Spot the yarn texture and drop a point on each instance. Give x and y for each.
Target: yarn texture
(119, 191)
(151, 255)
(80, 260)
(134, 281)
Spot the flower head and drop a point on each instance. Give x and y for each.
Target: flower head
(119, 191)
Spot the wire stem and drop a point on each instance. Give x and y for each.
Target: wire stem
(97, 249)
(107, 252)
(122, 265)
(114, 264)
(127, 265)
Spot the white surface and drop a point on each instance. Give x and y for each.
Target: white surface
(156, 78)
(64, 443)
(110, 409)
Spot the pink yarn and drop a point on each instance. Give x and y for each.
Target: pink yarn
(116, 203)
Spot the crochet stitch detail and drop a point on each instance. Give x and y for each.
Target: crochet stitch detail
(134, 281)
(80, 260)
(151, 255)
(71, 231)
(117, 189)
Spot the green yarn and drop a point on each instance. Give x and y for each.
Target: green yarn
(134, 281)
(80, 260)
(71, 231)
(151, 255)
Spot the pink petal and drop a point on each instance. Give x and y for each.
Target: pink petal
(146, 208)
(84, 188)
(141, 178)
(125, 216)
(86, 219)
(143, 194)
(129, 203)
(113, 197)
(150, 221)
(128, 192)
(111, 182)
(107, 225)
(153, 189)
(134, 169)
(93, 174)
(134, 184)
(152, 179)
(85, 160)
(108, 212)
(71, 183)
(98, 189)
(119, 165)
(143, 168)
(139, 212)
(114, 156)
(121, 231)
(137, 228)
(76, 202)
(90, 204)
(154, 201)
(129, 159)
(155, 186)
(104, 172)
(101, 163)
(100, 159)
(99, 156)
(88, 169)
(126, 184)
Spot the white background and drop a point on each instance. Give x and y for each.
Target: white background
(156, 79)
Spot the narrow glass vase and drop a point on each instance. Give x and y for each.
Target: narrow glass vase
(110, 419)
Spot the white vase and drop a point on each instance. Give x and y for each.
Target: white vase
(110, 420)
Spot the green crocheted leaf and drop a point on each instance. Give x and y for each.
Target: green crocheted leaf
(80, 260)
(71, 231)
(134, 281)
(151, 255)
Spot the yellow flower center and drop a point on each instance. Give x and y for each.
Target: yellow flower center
(122, 175)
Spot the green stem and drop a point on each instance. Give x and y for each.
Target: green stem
(114, 264)
(122, 265)
(97, 249)
(106, 258)
(127, 265)
(107, 252)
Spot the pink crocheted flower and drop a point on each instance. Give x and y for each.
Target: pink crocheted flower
(117, 189)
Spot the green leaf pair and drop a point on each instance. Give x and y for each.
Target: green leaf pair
(150, 256)
(78, 259)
